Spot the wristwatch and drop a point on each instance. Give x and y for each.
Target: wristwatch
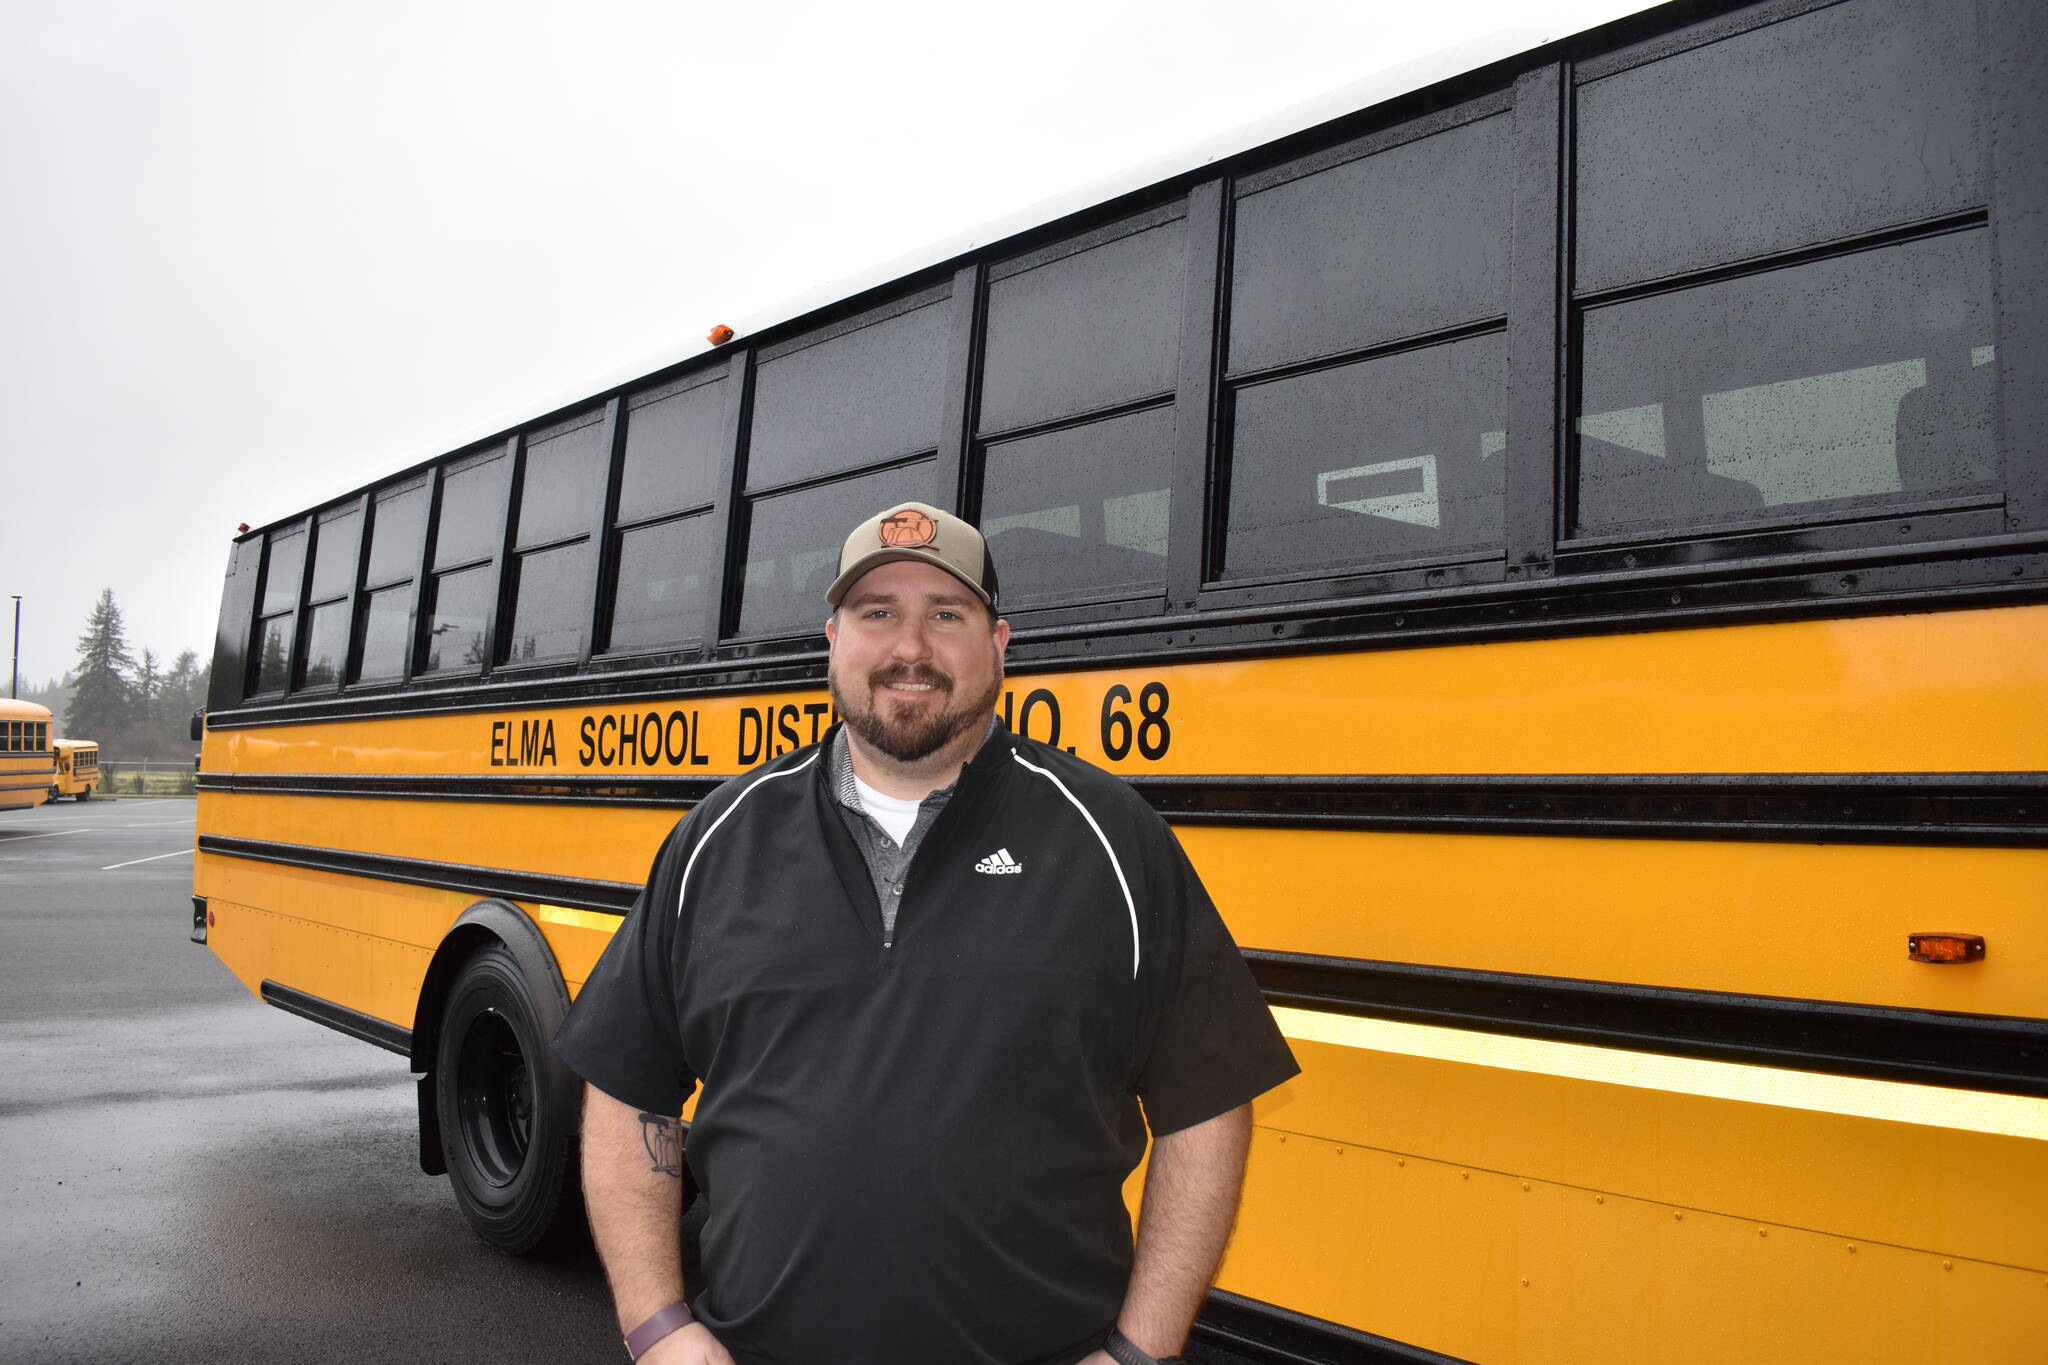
(1127, 1352)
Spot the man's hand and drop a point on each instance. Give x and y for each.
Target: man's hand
(1099, 1358)
(694, 1345)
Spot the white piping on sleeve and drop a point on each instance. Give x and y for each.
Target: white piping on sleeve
(683, 886)
(1115, 866)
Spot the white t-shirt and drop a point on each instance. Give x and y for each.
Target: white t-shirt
(892, 813)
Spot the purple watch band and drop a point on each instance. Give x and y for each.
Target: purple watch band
(663, 1322)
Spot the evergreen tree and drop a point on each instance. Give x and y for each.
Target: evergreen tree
(182, 693)
(149, 684)
(101, 699)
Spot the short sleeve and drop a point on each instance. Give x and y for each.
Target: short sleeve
(621, 1034)
(1210, 1044)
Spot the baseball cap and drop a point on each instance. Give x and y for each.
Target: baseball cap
(916, 531)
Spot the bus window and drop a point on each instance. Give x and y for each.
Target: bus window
(1844, 120)
(1393, 454)
(1863, 376)
(398, 528)
(1084, 329)
(793, 547)
(1074, 328)
(850, 398)
(284, 565)
(664, 577)
(673, 442)
(1333, 258)
(1082, 510)
(339, 536)
(663, 528)
(555, 559)
(1393, 458)
(471, 522)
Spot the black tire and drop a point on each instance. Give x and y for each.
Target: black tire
(85, 795)
(508, 1108)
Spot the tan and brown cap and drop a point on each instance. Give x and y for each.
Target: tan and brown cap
(916, 531)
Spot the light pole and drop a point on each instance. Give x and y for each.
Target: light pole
(14, 684)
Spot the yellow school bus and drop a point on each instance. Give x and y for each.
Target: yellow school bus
(78, 769)
(1567, 549)
(27, 767)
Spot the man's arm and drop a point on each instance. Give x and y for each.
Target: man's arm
(1191, 1190)
(633, 1190)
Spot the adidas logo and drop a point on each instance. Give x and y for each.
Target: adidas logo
(999, 863)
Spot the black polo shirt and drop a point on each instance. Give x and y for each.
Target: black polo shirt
(916, 1152)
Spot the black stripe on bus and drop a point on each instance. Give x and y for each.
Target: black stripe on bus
(356, 1024)
(575, 893)
(1254, 1330)
(1997, 810)
(1928, 1047)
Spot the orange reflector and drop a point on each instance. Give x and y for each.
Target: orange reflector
(719, 335)
(1945, 948)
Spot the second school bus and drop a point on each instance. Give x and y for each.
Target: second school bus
(1566, 547)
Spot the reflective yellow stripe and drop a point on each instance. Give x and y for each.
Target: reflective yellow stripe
(1936, 1106)
(575, 919)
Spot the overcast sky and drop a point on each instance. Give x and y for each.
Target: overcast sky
(261, 251)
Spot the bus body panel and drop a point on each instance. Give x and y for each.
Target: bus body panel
(1449, 1247)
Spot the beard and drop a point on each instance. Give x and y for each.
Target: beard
(912, 738)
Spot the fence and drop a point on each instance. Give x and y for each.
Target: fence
(148, 777)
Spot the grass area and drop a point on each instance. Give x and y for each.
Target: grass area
(154, 782)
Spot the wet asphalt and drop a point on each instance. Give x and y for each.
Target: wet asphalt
(191, 1175)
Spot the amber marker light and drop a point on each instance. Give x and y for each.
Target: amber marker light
(719, 335)
(1945, 949)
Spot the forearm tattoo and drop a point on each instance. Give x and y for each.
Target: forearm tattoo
(663, 1139)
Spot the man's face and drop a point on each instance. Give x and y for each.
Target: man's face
(916, 660)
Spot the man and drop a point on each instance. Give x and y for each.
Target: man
(926, 971)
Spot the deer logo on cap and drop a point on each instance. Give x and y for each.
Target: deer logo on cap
(909, 529)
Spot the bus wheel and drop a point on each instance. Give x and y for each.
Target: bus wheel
(507, 1106)
(86, 794)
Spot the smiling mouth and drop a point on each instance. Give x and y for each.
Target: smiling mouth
(910, 686)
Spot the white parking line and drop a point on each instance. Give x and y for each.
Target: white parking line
(133, 861)
(13, 838)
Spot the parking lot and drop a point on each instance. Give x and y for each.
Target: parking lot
(191, 1175)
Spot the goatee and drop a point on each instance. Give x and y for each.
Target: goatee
(912, 740)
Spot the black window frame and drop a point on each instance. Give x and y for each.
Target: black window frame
(694, 643)
(588, 531)
(493, 564)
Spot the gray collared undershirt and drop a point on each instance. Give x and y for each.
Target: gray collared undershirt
(888, 861)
